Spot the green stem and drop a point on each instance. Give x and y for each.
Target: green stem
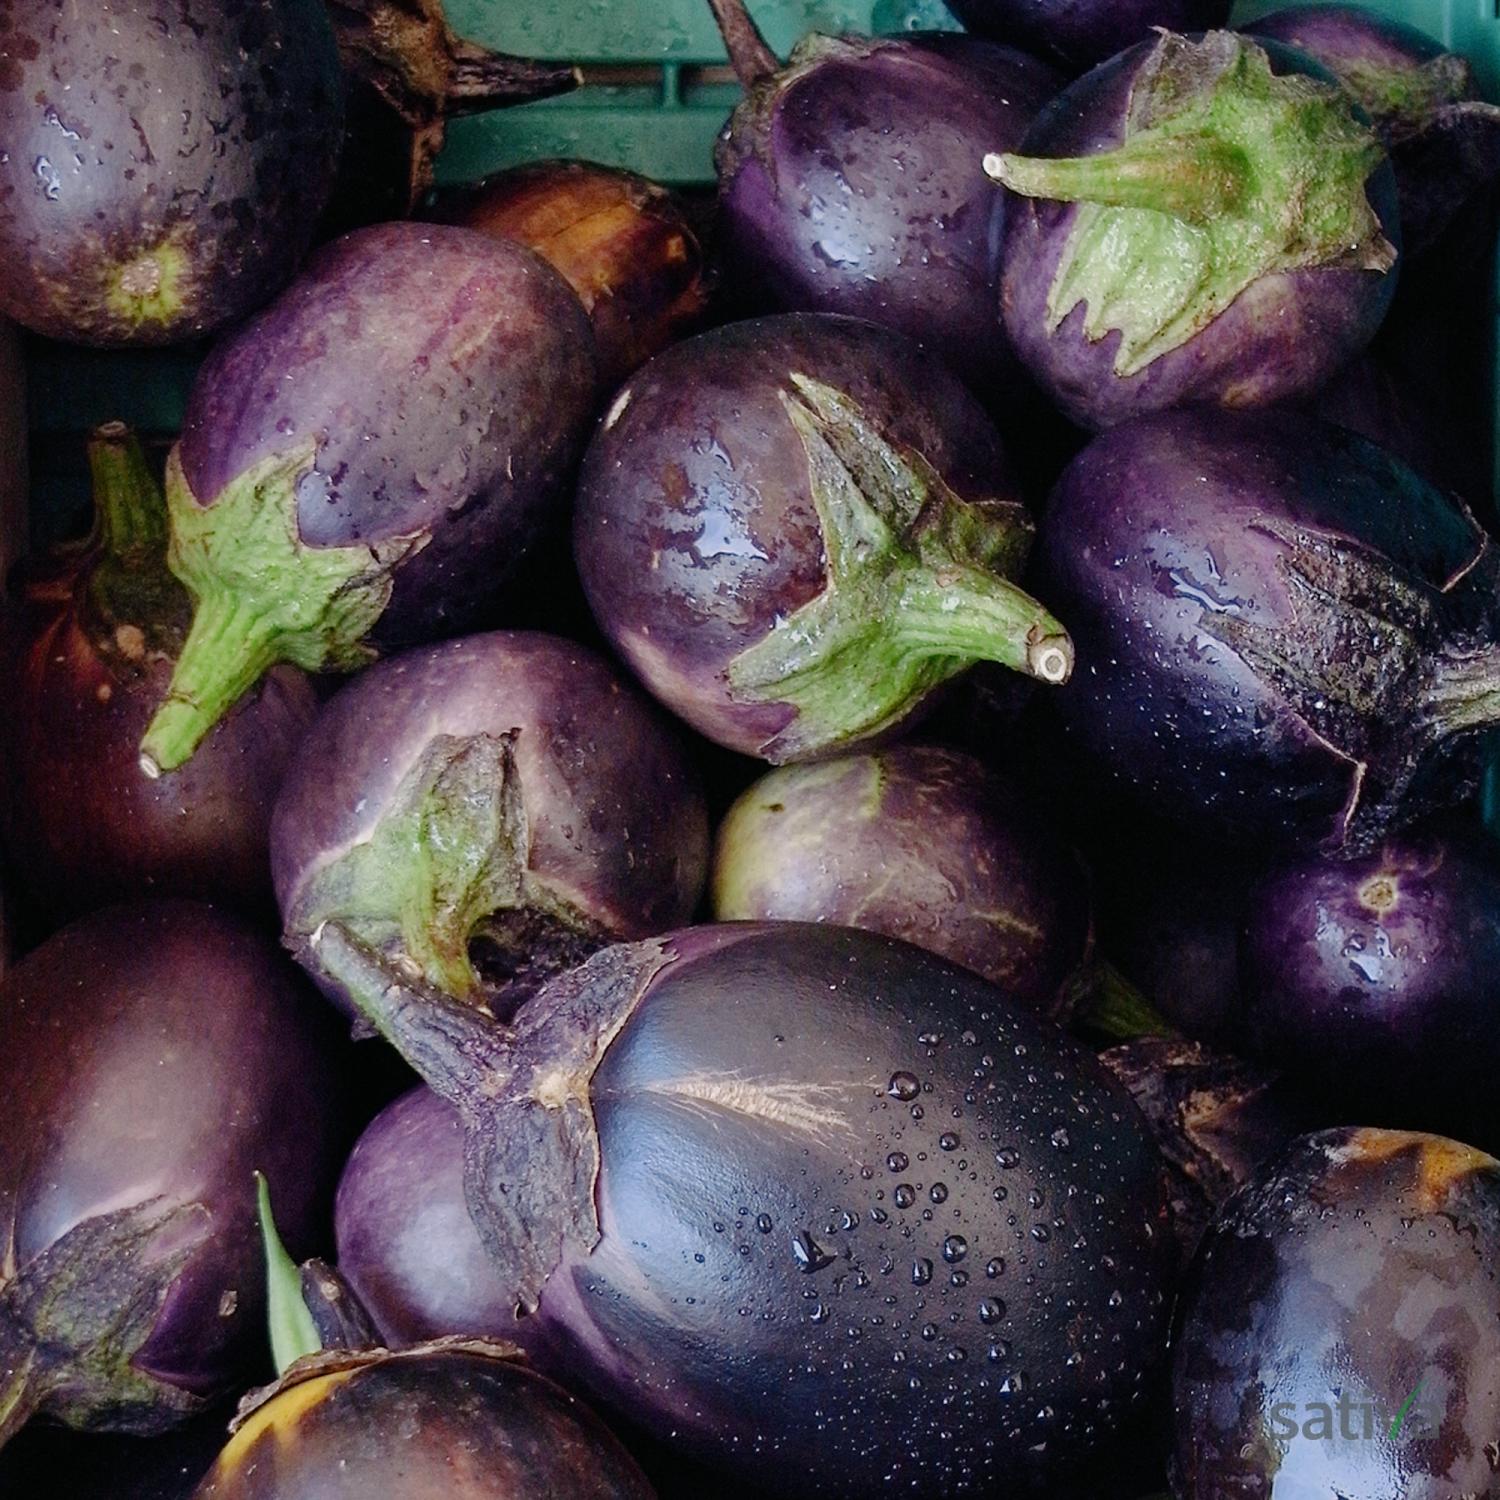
(129, 507)
(1109, 1005)
(228, 650)
(19, 1397)
(294, 1335)
(752, 59)
(1196, 178)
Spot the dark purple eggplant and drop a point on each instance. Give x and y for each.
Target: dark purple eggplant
(13, 518)
(796, 529)
(85, 655)
(463, 1420)
(626, 245)
(1287, 635)
(852, 181)
(1076, 34)
(362, 464)
(504, 796)
(1380, 977)
(1215, 222)
(1215, 1118)
(406, 1243)
(162, 165)
(151, 1057)
(920, 843)
(796, 1196)
(1443, 139)
(1339, 1336)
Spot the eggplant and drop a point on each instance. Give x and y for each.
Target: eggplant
(1338, 1334)
(151, 1056)
(406, 1243)
(1378, 976)
(1214, 220)
(794, 1196)
(1290, 638)
(795, 529)
(463, 1420)
(361, 465)
(1443, 138)
(504, 795)
(162, 169)
(13, 517)
(85, 655)
(918, 842)
(625, 244)
(1215, 1117)
(1077, 34)
(851, 181)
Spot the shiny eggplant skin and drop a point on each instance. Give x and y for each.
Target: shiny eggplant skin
(163, 163)
(441, 1421)
(1076, 34)
(1338, 1337)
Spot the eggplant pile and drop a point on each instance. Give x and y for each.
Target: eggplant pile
(823, 833)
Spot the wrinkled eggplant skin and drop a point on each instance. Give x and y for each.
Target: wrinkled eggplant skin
(88, 827)
(1282, 338)
(1378, 976)
(918, 842)
(624, 244)
(1154, 547)
(406, 1243)
(1358, 1265)
(412, 1428)
(165, 1049)
(821, 213)
(1076, 34)
(446, 378)
(695, 527)
(214, 129)
(615, 819)
(766, 1191)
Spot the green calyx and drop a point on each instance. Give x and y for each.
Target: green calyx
(446, 867)
(1226, 174)
(294, 1335)
(261, 596)
(1403, 101)
(151, 289)
(916, 589)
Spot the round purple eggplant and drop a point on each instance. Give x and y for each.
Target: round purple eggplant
(1288, 636)
(920, 843)
(1381, 976)
(1443, 139)
(162, 165)
(85, 656)
(795, 529)
(362, 464)
(151, 1057)
(1076, 34)
(1338, 1336)
(1214, 221)
(852, 181)
(463, 1420)
(406, 1243)
(793, 1196)
(486, 812)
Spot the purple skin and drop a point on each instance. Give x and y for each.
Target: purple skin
(151, 1058)
(557, 813)
(406, 1242)
(852, 181)
(767, 1117)
(920, 843)
(702, 530)
(1076, 34)
(1444, 140)
(1379, 976)
(1355, 1271)
(1289, 637)
(165, 163)
(417, 398)
(85, 657)
(1282, 337)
